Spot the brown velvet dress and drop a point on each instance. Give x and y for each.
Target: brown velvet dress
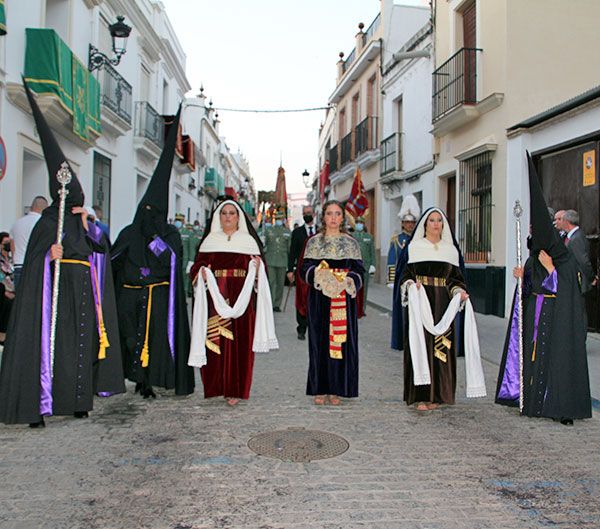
(439, 280)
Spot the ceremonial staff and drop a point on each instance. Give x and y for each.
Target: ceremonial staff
(518, 211)
(64, 177)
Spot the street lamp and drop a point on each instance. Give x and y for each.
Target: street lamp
(119, 32)
(305, 176)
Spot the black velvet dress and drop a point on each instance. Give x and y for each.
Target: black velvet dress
(327, 375)
(439, 279)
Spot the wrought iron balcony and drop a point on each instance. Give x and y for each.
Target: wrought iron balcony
(366, 135)
(116, 93)
(391, 154)
(346, 149)
(149, 124)
(455, 82)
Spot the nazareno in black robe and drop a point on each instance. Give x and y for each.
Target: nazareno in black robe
(135, 265)
(326, 375)
(555, 372)
(149, 252)
(78, 373)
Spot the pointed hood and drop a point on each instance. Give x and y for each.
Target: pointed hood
(54, 156)
(157, 192)
(543, 234)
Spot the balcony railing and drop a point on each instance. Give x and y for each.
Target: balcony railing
(373, 28)
(333, 159)
(346, 149)
(455, 82)
(349, 60)
(391, 154)
(366, 135)
(149, 123)
(116, 93)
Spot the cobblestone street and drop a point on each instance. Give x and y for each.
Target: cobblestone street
(183, 463)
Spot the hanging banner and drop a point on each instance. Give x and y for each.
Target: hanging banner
(589, 168)
(2, 159)
(80, 91)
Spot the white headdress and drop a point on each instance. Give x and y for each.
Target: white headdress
(410, 209)
(421, 249)
(239, 242)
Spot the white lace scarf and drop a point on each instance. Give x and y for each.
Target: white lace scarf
(264, 326)
(420, 317)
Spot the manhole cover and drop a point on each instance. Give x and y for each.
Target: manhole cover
(298, 445)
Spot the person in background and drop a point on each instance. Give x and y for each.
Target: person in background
(186, 233)
(277, 251)
(299, 236)
(408, 214)
(367, 249)
(21, 231)
(7, 288)
(99, 216)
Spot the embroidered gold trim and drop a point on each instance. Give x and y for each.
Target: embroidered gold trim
(442, 342)
(432, 281)
(230, 273)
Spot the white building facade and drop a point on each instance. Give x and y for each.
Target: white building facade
(406, 164)
(127, 108)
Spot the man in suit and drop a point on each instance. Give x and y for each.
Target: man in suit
(299, 236)
(577, 243)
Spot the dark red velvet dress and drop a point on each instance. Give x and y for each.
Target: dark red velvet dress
(229, 372)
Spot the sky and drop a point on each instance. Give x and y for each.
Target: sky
(269, 54)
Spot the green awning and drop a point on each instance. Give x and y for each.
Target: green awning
(2, 18)
(51, 68)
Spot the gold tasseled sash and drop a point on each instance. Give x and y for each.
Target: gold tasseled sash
(145, 354)
(104, 344)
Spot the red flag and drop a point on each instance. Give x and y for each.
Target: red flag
(358, 204)
(324, 180)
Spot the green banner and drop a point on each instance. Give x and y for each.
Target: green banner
(2, 18)
(51, 68)
(80, 92)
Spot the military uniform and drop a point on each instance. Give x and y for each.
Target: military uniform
(367, 249)
(397, 245)
(189, 254)
(277, 250)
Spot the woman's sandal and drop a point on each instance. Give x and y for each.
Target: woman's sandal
(232, 402)
(319, 400)
(334, 400)
(432, 406)
(422, 406)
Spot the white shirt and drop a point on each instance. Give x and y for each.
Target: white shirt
(570, 234)
(309, 228)
(20, 233)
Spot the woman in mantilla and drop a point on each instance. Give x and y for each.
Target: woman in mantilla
(433, 289)
(332, 266)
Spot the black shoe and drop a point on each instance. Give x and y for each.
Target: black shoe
(40, 424)
(276, 309)
(301, 336)
(147, 393)
(566, 422)
(81, 415)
